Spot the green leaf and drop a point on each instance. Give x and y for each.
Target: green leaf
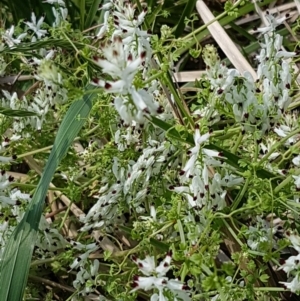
(82, 13)
(159, 245)
(16, 113)
(264, 278)
(19, 248)
(92, 13)
(171, 131)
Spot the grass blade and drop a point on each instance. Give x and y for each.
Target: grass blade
(186, 14)
(82, 13)
(17, 255)
(16, 113)
(92, 13)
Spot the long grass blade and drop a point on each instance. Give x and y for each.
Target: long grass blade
(16, 113)
(17, 255)
(92, 13)
(185, 14)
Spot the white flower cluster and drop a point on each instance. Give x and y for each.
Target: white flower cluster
(130, 184)
(51, 93)
(199, 185)
(241, 92)
(87, 270)
(60, 12)
(49, 240)
(124, 57)
(13, 204)
(155, 278)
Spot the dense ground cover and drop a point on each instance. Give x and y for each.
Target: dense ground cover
(150, 150)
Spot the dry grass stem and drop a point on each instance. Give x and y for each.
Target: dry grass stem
(224, 41)
(188, 76)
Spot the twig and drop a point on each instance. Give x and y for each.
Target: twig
(224, 41)
(53, 213)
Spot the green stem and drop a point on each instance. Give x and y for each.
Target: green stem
(287, 154)
(232, 213)
(36, 151)
(237, 144)
(222, 133)
(241, 194)
(181, 232)
(77, 51)
(163, 228)
(31, 186)
(282, 184)
(65, 217)
(42, 261)
(256, 151)
(233, 233)
(177, 99)
(269, 289)
(153, 77)
(87, 184)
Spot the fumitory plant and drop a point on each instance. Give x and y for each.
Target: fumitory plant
(115, 185)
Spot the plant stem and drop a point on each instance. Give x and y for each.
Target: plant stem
(36, 151)
(241, 194)
(238, 142)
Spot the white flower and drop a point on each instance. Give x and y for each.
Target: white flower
(297, 181)
(95, 267)
(294, 285)
(273, 23)
(292, 263)
(156, 279)
(60, 15)
(194, 152)
(106, 6)
(104, 26)
(10, 40)
(295, 240)
(228, 180)
(36, 26)
(120, 65)
(6, 159)
(296, 160)
(283, 131)
(284, 54)
(59, 2)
